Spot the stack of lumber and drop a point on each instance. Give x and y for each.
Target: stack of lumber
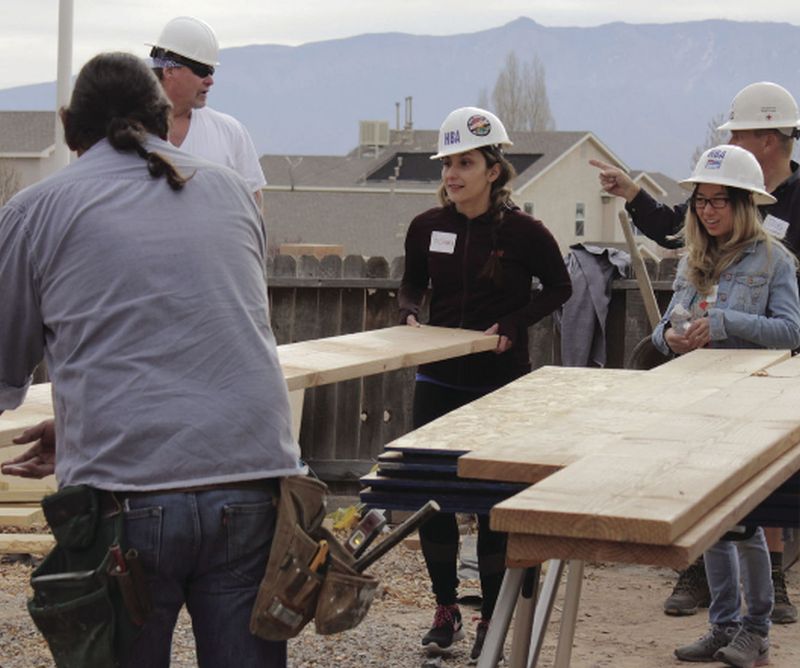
(20, 497)
(305, 364)
(645, 467)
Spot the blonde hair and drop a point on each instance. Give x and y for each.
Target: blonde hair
(707, 256)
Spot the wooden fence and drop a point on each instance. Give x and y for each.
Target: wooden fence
(346, 425)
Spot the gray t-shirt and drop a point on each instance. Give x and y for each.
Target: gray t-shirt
(150, 309)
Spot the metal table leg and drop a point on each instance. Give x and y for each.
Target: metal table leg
(544, 606)
(506, 600)
(572, 596)
(523, 619)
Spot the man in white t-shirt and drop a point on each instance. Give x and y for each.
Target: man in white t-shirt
(184, 58)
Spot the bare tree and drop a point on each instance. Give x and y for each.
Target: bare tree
(520, 95)
(9, 181)
(483, 99)
(714, 137)
(536, 102)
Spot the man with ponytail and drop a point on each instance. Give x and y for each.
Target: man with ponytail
(137, 273)
(479, 253)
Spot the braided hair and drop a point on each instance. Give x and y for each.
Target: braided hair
(499, 203)
(117, 97)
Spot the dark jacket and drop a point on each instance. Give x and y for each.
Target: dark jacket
(461, 297)
(659, 221)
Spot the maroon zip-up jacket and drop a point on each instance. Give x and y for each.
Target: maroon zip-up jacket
(449, 250)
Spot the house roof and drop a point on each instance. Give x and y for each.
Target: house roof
(537, 151)
(27, 133)
(672, 194)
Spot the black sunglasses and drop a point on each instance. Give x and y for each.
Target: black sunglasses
(200, 69)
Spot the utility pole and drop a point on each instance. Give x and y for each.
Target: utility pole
(64, 75)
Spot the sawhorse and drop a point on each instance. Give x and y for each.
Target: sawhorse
(518, 591)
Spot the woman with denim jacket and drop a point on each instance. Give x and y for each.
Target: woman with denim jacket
(736, 288)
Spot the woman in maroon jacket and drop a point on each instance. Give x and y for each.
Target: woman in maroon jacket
(479, 253)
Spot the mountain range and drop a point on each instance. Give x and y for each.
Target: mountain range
(648, 91)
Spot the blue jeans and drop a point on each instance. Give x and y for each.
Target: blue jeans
(726, 561)
(207, 550)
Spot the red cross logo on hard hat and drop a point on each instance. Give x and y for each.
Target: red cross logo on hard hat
(769, 117)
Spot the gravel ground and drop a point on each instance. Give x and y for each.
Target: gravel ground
(620, 623)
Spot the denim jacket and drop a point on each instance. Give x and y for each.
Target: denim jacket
(757, 302)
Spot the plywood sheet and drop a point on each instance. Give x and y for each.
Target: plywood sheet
(652, 485)
(517, 412)
(533, 436)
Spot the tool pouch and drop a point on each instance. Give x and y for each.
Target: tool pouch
(291, 593)
(78, 603)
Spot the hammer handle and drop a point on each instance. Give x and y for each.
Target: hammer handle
(397, 535)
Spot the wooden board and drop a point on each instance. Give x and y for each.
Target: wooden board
(337, 358)
(311, 363)
(30, 489)
(38, 406)
(527, 549)
(20, 516)
(651, 485)
(26, 543)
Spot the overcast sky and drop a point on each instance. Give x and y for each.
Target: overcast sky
(28, 30)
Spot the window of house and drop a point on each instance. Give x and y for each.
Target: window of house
(580, 219)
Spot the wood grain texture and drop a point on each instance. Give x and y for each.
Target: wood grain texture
(26, 543)
(554, 417)
(652, 484)
(337, 358)
(517, 412)
(38, 406)
(315, 362)
(20, 515)
(14, 489)
(527, 549)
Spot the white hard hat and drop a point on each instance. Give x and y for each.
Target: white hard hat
(763, 105)
(191, 38)
(732, 166)
(467, 128)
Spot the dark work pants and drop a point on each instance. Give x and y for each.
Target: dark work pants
(439, 536)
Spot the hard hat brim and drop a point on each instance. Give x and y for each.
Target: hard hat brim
(760, 197)
(467, 149)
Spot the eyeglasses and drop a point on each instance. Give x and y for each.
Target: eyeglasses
(699, 202)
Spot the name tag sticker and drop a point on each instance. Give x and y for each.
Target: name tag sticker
(776, 226)
(443, 242)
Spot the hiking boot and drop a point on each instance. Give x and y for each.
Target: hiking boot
(446, 629)
(690, 592)
(480, 637)
(704, 649)
(747, 649)
(783, 612)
